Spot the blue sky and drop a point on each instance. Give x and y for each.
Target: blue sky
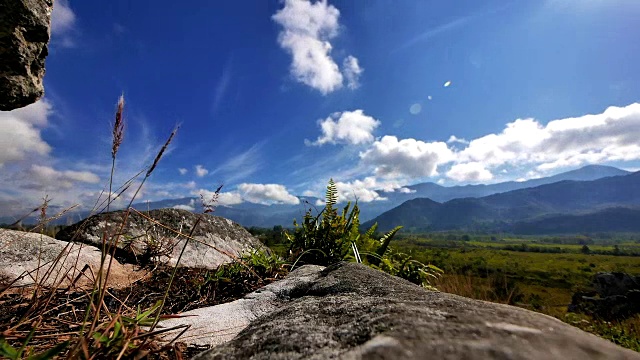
(276, 97)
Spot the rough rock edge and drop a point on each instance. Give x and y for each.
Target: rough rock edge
(353, 312)
(24, 36)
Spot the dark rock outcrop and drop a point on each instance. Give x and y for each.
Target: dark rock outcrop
(615, 296)
(350, 311)
(24, 35)
(159, 235)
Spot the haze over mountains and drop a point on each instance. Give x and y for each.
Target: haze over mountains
(251, 214)
(561, 203)
(606, 204)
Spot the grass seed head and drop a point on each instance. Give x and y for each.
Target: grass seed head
(118, 127)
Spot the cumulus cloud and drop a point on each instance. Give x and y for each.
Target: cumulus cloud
(47, 178)
(349, 127)
(182, 171)
(267, 194)
(362, 190)
(406, 158)
(307, 28)
(473, 171)
(254, 193)
(20, 135)
(352, 72)
(223, 198)
(609, 136)
(200, 171)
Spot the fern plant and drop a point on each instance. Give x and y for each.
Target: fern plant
(330, 237)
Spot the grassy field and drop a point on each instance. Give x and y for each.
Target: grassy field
(536, 274)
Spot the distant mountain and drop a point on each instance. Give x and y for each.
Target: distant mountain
(617, 219)
(249, 214)
(246, 214)
(504, 210)
(441, 193)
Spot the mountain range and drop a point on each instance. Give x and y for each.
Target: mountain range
(606, 204)
(260, 215)
(508, 206)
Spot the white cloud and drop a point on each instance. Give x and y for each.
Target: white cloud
(406, 158)
(201, 171)
(405, 190)
(63, 20)
(62, 17)
(20, 135)
(191, 206)
(609, 136)
(472, 172)
(454, 139)
(349, 127)
(307, 29)
(309, 193)
(267, 194)
(362, 190)
(182, 171)
(224, 198)
(320, 202)
(184, 207)
(352, 72)
(255, 193)
(47, 178)
(415, 109)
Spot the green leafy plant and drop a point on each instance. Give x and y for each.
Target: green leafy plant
(330, 237)
(8, 351)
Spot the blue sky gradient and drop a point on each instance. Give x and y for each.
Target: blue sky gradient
(372, 112)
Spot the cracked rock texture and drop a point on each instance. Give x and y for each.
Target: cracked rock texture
(24, 36)
(350, 311)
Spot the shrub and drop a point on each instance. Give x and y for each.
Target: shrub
(330, 237)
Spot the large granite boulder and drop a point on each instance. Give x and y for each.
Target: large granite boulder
(615, 296)
(24, 35)
(159, 235)
(350, 311)
(30, 257)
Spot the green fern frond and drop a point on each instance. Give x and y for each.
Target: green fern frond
(331, 197)
(386, 239)
(371, 230)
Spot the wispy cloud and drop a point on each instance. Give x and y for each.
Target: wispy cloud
(448, 26)
(63, 21)
(222, 85)
(240, 166)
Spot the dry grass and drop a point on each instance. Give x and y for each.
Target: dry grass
(89, 323)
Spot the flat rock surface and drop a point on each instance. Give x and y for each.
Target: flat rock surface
(350, 311)
(215, 239)
(233, 317)
(31, 257)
